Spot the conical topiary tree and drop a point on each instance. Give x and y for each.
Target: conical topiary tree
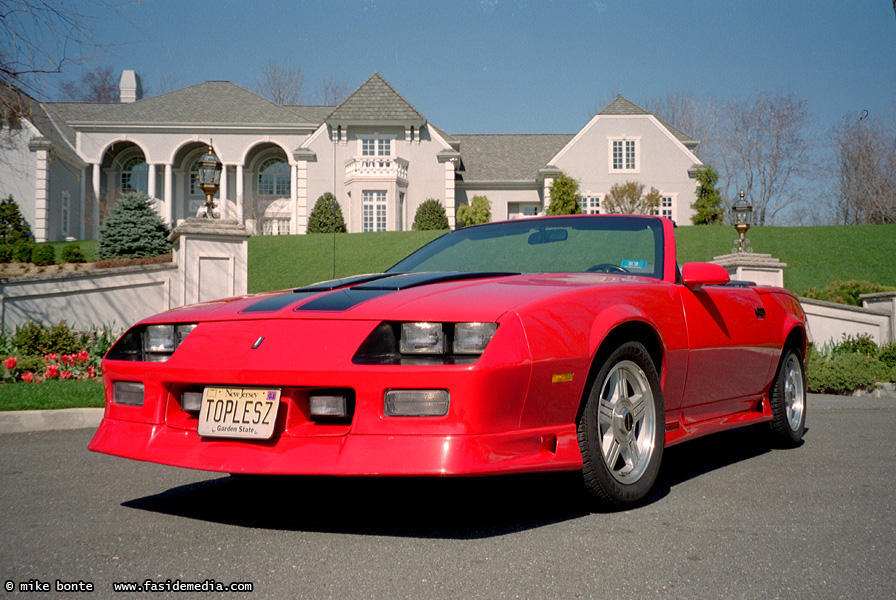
(326, 216)
(133, 229)
(13, 227)
(430, 215)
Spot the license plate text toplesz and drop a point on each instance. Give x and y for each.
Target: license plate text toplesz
(238, 412)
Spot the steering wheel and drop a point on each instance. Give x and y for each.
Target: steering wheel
(606, 268)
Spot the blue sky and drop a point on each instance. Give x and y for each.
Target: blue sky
(527, 66)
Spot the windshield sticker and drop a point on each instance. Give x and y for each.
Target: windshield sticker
(637, 265)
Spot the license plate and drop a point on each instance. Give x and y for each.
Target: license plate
(238, 412)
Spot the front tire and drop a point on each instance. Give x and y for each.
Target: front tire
(622, 428)
(788, 400)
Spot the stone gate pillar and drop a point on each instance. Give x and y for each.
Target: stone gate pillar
(761, 269)
(212, 260)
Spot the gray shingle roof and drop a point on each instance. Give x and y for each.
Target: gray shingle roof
(213, 102)
(375, 101)
(516, 157)
(621, 106)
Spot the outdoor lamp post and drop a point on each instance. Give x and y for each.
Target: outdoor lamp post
(209, 179)
(743, 216)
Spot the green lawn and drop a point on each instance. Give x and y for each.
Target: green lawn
(280, 262)
(815, 256)
(51, 394)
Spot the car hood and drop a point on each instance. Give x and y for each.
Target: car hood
(445, 296)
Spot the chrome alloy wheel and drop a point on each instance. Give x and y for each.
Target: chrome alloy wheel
(794, 392)
(627, 421)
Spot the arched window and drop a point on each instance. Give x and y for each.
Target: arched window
(273, 178)
(135, 175)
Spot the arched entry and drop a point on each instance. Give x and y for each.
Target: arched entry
(267, 190)
(124, 169)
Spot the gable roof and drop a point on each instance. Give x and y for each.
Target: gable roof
(513, 157)
(209, 103)
(376, 102)
(621, 106)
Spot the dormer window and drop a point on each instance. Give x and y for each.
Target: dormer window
(624, 155)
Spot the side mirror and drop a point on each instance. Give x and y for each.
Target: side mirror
(695, 275)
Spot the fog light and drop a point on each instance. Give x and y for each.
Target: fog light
(416, 403)
(191, 401)
(127, 392)
(328, 406)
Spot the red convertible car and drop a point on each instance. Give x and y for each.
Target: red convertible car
(548, 344)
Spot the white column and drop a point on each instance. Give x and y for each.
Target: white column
(546, 192)
(82, 202)
(222, 193)
(151, 189)
(96, 199)
(301, 215)
(450, 200)
(293, 197)
(169, 192)
(41, 196)
(239, 194)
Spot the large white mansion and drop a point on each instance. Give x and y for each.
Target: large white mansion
(380, 157)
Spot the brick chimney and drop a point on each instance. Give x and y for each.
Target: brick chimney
(131, 89)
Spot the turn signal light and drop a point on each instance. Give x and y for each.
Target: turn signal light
(416, 403)
(127, 392)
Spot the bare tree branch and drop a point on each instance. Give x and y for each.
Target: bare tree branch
(865, 165)
(764, 148)
(96, 85)
(280, 83)
(332, 92)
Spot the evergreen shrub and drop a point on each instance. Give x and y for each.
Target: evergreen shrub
(22, 252)
(43, 255)
(72, 253)
(846, 373)
(326, 216)
(133, 229)
(430, 216)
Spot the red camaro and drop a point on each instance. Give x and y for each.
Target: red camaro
(548, 344)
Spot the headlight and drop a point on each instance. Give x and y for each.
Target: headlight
(423, 342)
(422, 338)
(150, 343)
(472, 338)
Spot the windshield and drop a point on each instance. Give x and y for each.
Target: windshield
(601, 244)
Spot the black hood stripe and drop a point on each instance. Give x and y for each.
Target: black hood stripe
(341, 300)
(275, 303)
(356, 290)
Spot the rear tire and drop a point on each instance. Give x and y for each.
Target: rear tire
(788, 400)
(622, 428)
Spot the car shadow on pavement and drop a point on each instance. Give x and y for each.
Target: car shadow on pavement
(450, 508)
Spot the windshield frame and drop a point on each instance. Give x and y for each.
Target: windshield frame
(661, 229)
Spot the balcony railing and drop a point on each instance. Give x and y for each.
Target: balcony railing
(377, 166)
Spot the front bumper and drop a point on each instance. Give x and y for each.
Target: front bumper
(549, 449)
